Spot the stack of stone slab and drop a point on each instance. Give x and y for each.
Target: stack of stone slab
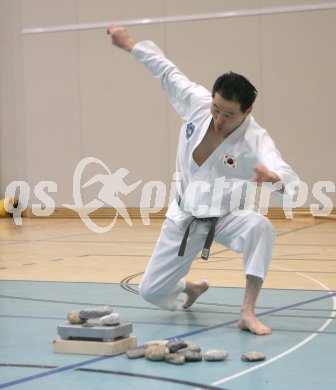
(94, 331)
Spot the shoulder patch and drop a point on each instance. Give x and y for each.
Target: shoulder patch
(190, 130)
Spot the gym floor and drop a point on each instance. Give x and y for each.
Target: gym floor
(49, 267)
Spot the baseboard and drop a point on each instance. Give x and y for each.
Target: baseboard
(104, 212)
(136, 213)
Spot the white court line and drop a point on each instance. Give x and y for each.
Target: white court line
(184, 18)
(297, 346)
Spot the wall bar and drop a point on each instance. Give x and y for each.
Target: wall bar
(184, 18)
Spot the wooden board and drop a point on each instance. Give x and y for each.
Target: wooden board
(100, 348)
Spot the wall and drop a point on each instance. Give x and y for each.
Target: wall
(13, 154)
(66, 96)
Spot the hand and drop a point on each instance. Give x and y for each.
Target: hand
(262, 175)
(120, 37)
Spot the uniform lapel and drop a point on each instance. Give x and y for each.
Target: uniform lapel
(201, 173)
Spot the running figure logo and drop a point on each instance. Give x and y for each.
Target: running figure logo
(113, 185)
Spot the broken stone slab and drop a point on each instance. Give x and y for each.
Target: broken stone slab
(109, 320)
(253, 356)
(215, 355)
(74, 318)
(155, 342)
(175, 358)
(95, 312)
(176, 344)
(156, 352)
(191, 347)
(190, 356)
(135, 353)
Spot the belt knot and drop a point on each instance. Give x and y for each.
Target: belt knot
(208, 240)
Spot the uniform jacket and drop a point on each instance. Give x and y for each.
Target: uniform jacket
(213, 188)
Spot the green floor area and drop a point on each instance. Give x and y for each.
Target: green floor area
(300, 352)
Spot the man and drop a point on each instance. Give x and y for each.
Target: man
(219, 140)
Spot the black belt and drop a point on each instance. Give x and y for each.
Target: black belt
(209, 238)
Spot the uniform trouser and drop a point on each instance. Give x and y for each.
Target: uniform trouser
(163, 282)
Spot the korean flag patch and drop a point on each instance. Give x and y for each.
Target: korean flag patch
(229, 161)
(190, 130)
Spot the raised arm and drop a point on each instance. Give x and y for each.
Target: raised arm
(184, 95)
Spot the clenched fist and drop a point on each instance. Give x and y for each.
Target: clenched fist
(120, 37)
(262, 175)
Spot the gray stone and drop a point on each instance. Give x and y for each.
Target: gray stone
(175, 358)
(253, 356)
(135, 353)
(74, 319)
(190, 356)
(95, 312)
(191, 347)
(176, 344)
(156, 352)
(109, 320)
(215, 355)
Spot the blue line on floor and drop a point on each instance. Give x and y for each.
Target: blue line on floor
(52, 372)
(136, 284)
(199, 331)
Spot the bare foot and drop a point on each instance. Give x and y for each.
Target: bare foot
(193, 291)
(253, 325)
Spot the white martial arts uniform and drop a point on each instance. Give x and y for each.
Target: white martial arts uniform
(233, 162)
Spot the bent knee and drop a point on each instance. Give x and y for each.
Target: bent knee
(265, 226)
(264, 223)
(148, 291)
(144, 291)
(154, 295)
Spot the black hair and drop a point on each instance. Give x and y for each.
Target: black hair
(235, 87)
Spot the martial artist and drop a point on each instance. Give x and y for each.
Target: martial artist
(220, 145)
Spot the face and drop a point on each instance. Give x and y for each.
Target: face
(226, 114)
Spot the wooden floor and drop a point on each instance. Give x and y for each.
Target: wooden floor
(66, 250)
